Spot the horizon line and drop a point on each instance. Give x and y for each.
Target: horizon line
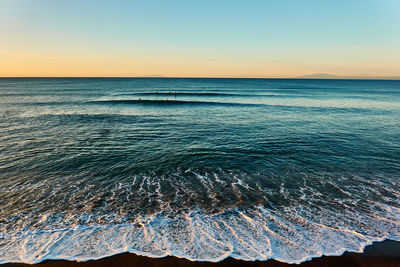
(394, 78)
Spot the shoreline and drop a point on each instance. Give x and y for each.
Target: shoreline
(385, 253)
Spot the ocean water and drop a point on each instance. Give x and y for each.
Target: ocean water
(202, 169)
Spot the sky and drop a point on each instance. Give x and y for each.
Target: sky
(204, 38)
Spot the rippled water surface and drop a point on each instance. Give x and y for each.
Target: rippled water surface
(197, 168)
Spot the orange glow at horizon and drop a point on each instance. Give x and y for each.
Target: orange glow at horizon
(23, 64)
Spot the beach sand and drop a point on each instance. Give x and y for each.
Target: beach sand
(379, 254)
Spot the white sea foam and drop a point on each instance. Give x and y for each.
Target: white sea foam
(181, 214)
(256, 234)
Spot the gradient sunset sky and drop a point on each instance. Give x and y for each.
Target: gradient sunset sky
(207, 38)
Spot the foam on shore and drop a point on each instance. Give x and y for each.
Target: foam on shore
(259, 234)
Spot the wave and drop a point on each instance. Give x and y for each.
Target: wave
(205, 94)
(169, 102)
(188, 94)
(259, 234)
(320, 107)
(159, 216)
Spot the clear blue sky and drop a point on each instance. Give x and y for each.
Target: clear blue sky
(282, 38)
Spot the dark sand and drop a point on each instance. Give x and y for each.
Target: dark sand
(379, 254)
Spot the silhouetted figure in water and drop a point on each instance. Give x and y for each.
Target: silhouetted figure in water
(175, 94)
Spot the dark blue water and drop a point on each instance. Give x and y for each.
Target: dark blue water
(197, 168)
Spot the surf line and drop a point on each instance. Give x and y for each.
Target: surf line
(166, 95)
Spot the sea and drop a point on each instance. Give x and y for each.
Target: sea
(202, 169)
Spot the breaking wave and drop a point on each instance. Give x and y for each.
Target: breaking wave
(200, 217)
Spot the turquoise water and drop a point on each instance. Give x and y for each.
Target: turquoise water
(197, 168)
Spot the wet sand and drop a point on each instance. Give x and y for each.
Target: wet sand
(379, 254)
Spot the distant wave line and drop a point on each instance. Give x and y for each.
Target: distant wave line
(173, 102)
(189, 94)
(169, 102)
